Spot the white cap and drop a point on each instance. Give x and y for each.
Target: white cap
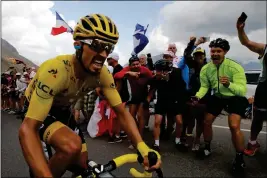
(25, 73)
(18, 73)
(114, 56)
(168, 53)
(33, 68)
(7, 72)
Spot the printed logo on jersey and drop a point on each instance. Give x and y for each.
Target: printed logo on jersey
(67, 63)
(73, 79)
(44, 91)
(112, 85)
(53, 72)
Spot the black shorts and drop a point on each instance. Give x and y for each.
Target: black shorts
(57, 118)
(260, 99)
(194, 112)
(14, 95)
(136, 100)
(171, 108)
(233, 105)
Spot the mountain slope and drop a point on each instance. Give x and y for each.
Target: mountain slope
(9, 51)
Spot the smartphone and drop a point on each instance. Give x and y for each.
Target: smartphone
(206, 39)
(243, 17)
(148, 55)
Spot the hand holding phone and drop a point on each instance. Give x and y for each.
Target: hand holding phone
(240, 24)
(243, 17)
(206, 39)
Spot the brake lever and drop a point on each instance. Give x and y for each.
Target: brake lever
(152, 159)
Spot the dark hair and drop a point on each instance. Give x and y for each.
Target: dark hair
(220, 43)
(133, 59)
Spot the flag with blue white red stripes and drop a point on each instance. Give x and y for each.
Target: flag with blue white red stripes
(61, 26)
(140, 39)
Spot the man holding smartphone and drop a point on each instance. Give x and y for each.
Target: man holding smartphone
(260, 99)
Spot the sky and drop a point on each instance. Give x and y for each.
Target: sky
(27, 25)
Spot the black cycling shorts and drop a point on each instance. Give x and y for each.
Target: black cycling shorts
(136, 100)
(233, 105)
(260, 99)
(14, 95)
(57, 118)
(171, 108)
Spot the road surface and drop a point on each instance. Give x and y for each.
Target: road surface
(175, 164)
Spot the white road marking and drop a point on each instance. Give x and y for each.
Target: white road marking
(246, 130)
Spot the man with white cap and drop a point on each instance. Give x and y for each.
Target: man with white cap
(20, 89)
(32, 72)
(168, 55)
(112, 60)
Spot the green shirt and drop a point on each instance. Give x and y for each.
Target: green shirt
(210, 75)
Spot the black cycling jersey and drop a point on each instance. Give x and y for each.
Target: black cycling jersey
(172, 90)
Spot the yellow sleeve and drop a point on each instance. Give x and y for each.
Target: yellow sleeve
(49, 81)
(108, 87)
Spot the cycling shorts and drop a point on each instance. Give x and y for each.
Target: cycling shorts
(56, 119)
(136, 100)
(171, 108)
(233, 105)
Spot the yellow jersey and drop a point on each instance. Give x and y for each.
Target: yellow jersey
(55, 84)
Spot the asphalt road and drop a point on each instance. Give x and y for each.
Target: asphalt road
(175, 164)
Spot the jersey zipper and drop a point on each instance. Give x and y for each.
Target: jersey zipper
(218, 78)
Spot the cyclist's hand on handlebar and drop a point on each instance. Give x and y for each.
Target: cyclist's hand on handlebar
(151, 158)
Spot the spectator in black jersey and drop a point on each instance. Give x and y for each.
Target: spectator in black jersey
(146, 61)
(260, 99)
(121, 85)
(195, 63)
(4, 92)
(170, 88)
(13, 95)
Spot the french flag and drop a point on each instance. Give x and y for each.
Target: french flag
(61, 26)
(140, 39)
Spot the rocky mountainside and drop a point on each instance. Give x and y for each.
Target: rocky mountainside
(8, 51)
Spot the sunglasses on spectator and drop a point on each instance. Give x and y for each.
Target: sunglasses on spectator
(99, 46)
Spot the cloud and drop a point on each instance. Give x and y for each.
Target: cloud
(27, 26)
(201, 18)
(182, 19)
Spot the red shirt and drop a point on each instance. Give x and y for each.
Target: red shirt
(138, 85)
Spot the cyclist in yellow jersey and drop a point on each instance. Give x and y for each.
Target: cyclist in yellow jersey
(61, 82)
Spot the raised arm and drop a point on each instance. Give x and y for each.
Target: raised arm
(251, 45)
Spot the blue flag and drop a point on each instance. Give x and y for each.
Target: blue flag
(140, 39)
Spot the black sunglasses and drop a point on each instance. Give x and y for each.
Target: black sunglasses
(99, 46)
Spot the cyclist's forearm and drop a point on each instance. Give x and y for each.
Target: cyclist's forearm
(33, 153)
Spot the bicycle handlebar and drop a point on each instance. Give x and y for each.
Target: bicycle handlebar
(132, 158)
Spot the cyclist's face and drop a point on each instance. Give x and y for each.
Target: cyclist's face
(135, 66)
(92, 60)
(217, 55)
(199, 57)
